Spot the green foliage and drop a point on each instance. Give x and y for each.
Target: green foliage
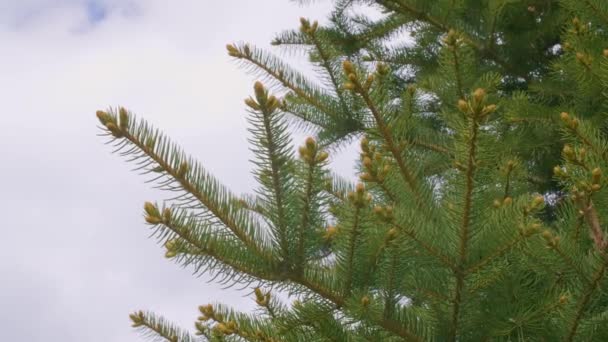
(481, 208)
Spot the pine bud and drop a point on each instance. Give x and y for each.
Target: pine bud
(151, 209)
(365, 301)
(311, 143)
(260, 92)
(233, 51)
(558, 171)
(367, 162)
(507, 201)
(383, 69)
(252, 104)
(103, 117)
(605, 53)
(314, 27)
(563, 299)
(547, 235)
(568, 152)
(366, 177)
(360, 188)
(171, 244)
(538, 201)
(349, 86)
(391, 234)
(153, 220)
(463, 106)
(369, 81)
(273, 103)
(304, 25)
(348, 67)
(365, 144)
(596, 187)
(303, 151)
(352, 77)
(479, 95)
(565, 117)
(322, 157)
(167, 215)
(330, 232)
(116, 132)
(496, 203)
(596, 174)
(124, 118)
(137, 318)
(489, 109)
(170, 254)
(573, 123)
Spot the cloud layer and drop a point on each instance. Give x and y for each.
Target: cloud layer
(76, 258)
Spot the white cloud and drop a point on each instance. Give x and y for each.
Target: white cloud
(75, 258)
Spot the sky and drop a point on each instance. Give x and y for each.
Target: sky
(76, 257)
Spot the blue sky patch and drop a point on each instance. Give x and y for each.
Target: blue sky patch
(96, 11)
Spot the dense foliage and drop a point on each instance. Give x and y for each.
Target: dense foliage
(481, 209)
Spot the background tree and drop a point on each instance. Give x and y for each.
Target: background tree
(490, 110)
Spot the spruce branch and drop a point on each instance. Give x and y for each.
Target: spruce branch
(363, 90)
(153, 141)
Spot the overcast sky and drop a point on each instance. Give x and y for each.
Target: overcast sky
(75, 258)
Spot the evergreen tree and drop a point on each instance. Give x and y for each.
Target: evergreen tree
(481, 209)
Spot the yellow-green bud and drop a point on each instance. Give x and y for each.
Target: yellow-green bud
(605, 53)
(311, 143)
(252, 104)
(365, 144)
(365, 301)
(124, 118)
(260, 92)
(170, 254)
(151, 209)
(568, 151)
(349, 86)
(538, 201)
(507, 201)
(360, 188)
(463, 105)
(366, 177)
(322, 157)
(103, 117)
(348, 67)
(233, 51)
(116, 132)
(596, 175)
(479, 95)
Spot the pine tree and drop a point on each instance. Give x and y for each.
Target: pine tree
(481, 208)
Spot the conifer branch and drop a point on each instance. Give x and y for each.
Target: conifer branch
(311, 30)
(179, 175)
(475, 111)
(582, 304)
(443, 259)
(382, 127)
(597, 10)
(495, 254)
(280, 76)
(158, 327)
(352, 244)
(205, 246)
(266, 106)
(423, 16)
